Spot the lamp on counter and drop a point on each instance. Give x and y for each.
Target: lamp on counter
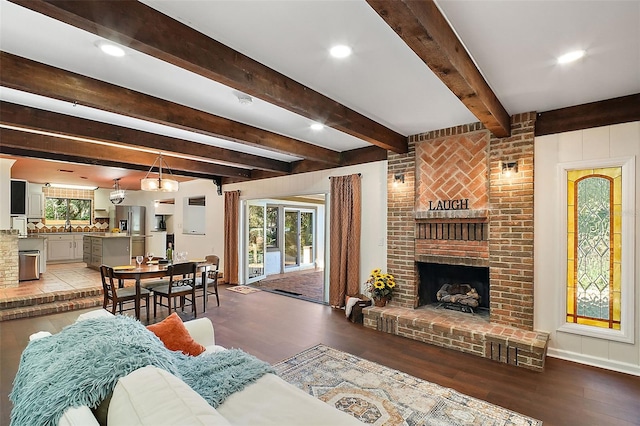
(159, 184)
(508, 168)
(116, 196)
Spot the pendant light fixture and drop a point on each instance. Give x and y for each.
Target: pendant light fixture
(117, 195)
(159, 184)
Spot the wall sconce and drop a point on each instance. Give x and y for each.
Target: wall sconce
(509, 168)
(398, 178)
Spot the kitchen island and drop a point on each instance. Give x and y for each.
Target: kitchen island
(111, 249)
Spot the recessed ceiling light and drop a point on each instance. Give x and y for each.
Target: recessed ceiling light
(340, 51)
(110, 48)
(571, 56)
(317, 126)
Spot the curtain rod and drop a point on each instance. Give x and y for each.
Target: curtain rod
(359, 174)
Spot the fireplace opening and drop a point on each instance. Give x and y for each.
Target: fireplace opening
(466, 286)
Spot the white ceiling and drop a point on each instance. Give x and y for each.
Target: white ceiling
(514, 44)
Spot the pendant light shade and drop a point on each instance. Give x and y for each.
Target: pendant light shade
(116, 196)
(159, 183)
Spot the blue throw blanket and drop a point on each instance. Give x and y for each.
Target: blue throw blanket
(82, 364)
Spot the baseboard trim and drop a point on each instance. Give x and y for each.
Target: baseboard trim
(621, 367)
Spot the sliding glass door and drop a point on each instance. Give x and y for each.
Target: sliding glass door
(299, 235)
(256, 241)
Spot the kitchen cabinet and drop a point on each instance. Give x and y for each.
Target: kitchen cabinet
(102, 206)
(157, 243)
(65, 248)
(77, 247)
(60, 248)
(108, 250)
(36, 202)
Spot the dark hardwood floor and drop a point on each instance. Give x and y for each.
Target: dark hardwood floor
(274, 327)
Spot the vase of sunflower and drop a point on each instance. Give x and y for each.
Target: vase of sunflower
(380, 285)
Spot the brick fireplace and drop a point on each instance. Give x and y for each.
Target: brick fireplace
(457, 208)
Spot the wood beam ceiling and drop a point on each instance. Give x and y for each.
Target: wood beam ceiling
(34, 77)
(16, 142)
(425, 30)
(178, 44)
(46, 121)
(595, 114)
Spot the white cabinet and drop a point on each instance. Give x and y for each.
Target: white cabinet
(36, 205)
(157, 243)
(77, 247)
(65, 248)
(101, 204)
(165, 208)
(60, 248)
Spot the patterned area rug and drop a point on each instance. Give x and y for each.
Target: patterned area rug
(242, 289)
(378, 395)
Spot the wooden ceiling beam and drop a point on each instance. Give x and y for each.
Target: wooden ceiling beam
(349, 158)
(594, 114)
(181, 45)
(16, 142)
(44, 80)
(47, 121)
(425, 30)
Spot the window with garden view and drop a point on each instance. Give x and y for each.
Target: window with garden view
(59, 210)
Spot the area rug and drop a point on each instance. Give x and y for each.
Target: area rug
(378, 395)
(242, 289)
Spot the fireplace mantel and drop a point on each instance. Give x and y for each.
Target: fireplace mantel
(450, 214)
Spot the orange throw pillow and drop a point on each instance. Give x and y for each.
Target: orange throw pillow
(175, 336)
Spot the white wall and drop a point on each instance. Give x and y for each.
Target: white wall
(622, 140)
(373, 244)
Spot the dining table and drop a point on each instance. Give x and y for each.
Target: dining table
(153, 269)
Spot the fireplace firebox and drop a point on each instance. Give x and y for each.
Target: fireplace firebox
(433, 277)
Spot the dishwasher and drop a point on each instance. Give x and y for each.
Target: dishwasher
(29, 266)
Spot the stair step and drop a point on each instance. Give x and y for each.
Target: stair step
(50, 308)
(39, 299)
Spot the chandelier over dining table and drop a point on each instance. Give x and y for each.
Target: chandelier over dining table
(159, 183)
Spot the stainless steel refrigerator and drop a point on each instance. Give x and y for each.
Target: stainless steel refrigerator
(131, 219)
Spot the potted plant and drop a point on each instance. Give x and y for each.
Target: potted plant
(380, 285)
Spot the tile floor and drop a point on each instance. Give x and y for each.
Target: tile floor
(59, 277)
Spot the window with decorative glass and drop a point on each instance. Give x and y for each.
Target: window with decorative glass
(594, 243)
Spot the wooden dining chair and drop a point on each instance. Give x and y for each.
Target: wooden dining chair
(120, 296)
(212, 281)
(181, 284)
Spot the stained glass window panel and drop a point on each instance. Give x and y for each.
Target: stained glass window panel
(593, 252)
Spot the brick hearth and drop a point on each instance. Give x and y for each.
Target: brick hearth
(462, 332)
(495, 230)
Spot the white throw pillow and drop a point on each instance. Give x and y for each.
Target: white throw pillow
(154, 397)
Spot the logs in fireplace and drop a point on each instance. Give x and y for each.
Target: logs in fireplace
(445, 285)
(461, 297)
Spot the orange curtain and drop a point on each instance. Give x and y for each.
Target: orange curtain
(231, 218)
(344, 244)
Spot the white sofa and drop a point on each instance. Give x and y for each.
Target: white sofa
(151, 396)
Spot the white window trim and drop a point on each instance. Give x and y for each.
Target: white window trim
(627, 286)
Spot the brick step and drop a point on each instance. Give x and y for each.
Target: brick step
(52, 307)
(39, 299)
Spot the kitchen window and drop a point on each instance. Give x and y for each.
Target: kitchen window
(59, 210)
